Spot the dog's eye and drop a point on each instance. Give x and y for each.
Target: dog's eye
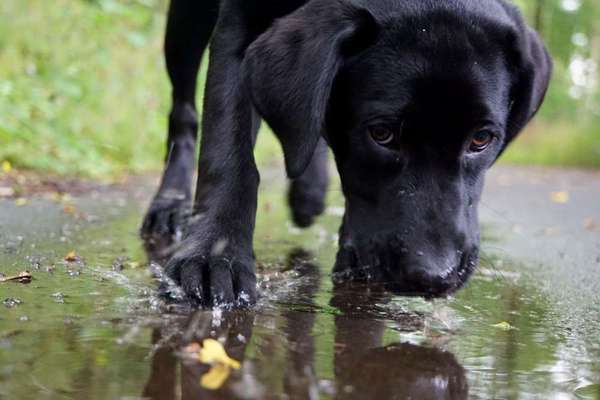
(481, 140)
(381, 135)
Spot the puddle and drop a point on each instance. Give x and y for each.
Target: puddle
(93, 329)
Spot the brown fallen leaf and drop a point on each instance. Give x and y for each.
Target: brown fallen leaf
(590, 225)
(69, 209)
(22, 277)
(72, 257)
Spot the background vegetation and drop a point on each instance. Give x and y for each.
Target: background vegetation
(83, 88)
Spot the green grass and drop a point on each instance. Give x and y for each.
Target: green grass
(556, 145)
(83, 91)
(82, 86)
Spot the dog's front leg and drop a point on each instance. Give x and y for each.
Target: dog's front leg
(215, 264)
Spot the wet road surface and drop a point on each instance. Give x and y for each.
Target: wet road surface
(527, 325)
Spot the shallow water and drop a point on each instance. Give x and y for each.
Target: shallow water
(94, 330)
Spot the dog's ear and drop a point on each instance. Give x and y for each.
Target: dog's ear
(289, 71)
(532, 69)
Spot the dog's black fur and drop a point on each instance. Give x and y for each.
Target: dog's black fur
(403, 91)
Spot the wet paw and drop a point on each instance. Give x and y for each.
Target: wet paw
(211, 281)
(167, 217)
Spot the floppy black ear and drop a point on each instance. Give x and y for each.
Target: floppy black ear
(289, 71)
(531, 79)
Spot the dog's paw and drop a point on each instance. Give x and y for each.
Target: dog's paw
(210, 281)
(166, 218)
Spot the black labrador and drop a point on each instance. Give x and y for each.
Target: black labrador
(416, 99)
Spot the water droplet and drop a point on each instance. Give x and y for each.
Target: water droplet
(12, 302)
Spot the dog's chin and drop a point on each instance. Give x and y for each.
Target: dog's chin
(387, 266)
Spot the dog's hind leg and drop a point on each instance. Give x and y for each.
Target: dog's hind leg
(189, 27)
(306, 195)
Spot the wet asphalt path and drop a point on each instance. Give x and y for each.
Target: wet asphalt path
(525, 327)
(548, 219)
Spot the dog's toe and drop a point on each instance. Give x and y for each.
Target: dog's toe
(244, 283)
(192, 280)
(221, 283)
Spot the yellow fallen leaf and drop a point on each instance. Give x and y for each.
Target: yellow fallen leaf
(213, 352)
(21, 201)
(215, 377)
(505, 326)
(560, 197)
(6, 166)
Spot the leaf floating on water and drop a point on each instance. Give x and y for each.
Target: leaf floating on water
(560, 197)
(22, 277)
(21, 201)
(215, 377)
(72, 257)
(212, 353)
(505, 326)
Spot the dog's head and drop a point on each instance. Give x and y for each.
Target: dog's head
(417, 100)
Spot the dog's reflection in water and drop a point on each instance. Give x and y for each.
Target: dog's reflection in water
(280, 362)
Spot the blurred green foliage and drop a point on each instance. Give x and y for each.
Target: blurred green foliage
(567, 130)
(83, 88)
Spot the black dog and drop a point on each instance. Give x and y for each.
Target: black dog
(416, 99)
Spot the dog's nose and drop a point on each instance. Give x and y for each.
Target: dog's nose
(427, 284)
(434, 271)
(431, 276)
